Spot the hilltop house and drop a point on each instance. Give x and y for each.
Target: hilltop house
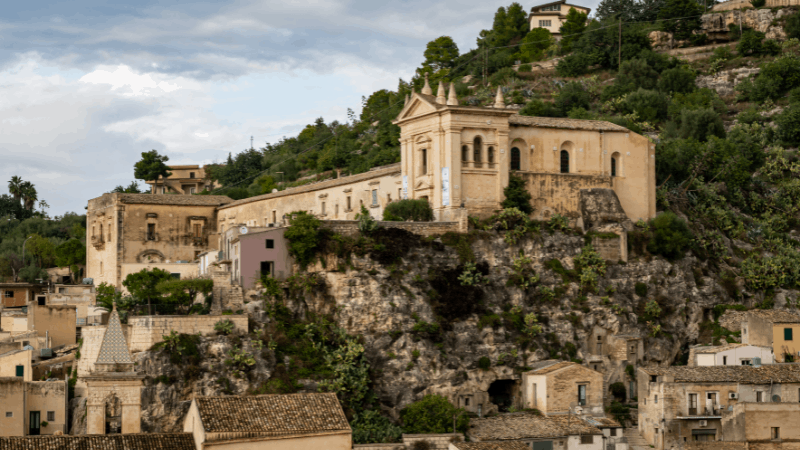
(774, 329)
(551, 16)
(184, 180)
(729, 355)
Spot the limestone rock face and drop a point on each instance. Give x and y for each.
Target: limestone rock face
(725, 82)
(661, 40)
(601, 206)
(715, 25)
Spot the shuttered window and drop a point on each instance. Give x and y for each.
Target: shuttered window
(787, 334)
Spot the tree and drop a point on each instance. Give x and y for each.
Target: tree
(132, 188)
(15, 187)
(107, 296)
(572, 29)
(517, 195)
(572, 95)
(303, 237)
(441, 53)
(142, 285)
(599, 43)
(42, 250)
(433, 414)
(71, 254)
(792, 26)
(183, 292)
(29, 195)
(616, 10)
(151, 167)
(10, 265)
(534, 44)
(688, 11)
(677, 79)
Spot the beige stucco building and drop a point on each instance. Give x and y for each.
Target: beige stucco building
(32, 407)
(184, 180)
(129, 232)
(275, 422)
(554, 387)
(773, 329)
(56, 323)
(551, 16)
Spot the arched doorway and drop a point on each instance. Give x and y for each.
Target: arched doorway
(564, 161)
(516, 159)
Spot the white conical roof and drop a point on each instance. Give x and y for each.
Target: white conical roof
(114, 349)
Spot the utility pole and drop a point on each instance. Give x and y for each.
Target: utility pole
(251, 142)
(619, 62)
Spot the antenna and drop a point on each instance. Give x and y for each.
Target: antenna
(251, 142)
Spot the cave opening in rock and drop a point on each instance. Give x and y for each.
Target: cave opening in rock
(501, 393)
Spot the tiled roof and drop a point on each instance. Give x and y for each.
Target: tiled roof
(510, 445)
(149, 441)
(387, 170)
(557, 365)
(272, 415)
(114, 349)
(718, 348)
(170, 199)
(771, 373)
(569, 124)
(603, 422)
(732, 319)
(522, 426)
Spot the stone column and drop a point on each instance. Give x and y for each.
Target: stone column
(502, 154)
(95, 418)
(456, 187)
(132, 417)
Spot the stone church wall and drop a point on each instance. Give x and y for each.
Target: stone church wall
(350, 227)
(146, 331)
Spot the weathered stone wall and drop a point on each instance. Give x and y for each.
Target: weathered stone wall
(56, 321)
(725, 82)
(226, 296)
(717, 445)
(146, 331)
(436, 441)
(350, 227)
(562, 390)
(610, 249)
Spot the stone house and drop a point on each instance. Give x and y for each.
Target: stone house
(310, 421)
(184, 180)
(610, 354)
(16, 363)
(55, 323)
(83, 297)
(17, 295)
(682, 404)
(564, 432)
(126, 233)
(551, 16)
(776, 330)
(728, 355)
(148, 441)
(557, 387)
(248, 252)
(32, 408)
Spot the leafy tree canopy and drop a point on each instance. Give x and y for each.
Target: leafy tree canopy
(517, 195)
(441, 53)
(151, 167)
(432, 414)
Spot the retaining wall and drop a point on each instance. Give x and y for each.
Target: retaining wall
(350, 227)
(436, 441)
(146, 331)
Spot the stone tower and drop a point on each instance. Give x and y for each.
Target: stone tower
(114, 389)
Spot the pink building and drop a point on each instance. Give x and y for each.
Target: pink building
(256, 252)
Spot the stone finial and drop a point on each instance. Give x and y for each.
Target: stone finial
(407, 99)
(440, 98)
(427, 88)
(499, 101)
(452, 99)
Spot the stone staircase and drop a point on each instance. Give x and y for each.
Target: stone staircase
(635, 440)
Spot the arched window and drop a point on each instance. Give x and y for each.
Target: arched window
(613, 166)
(515, 159)
(424, 168)
(564, 161)
(464, 153)
(477, 150)
(490, 155)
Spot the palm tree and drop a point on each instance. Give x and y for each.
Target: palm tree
(29, 195)
(15, 187)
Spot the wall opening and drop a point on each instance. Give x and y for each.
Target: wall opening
(516, 159)
(113, 415)
(464, 153)
(501, 393)
(477, 150)
(564, 161)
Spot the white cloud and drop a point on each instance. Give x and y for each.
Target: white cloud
(134, 84)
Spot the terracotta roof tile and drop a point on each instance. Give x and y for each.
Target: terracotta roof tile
(777, 373)
(732, 319)
(149, 441)
(170, 199)
(718, 348)
(522, 426)
(510, 445)
(552, 367)
(273, 415)
(570, 124)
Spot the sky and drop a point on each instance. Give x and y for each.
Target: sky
(86, 86)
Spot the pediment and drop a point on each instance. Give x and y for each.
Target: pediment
(422, 184)
(417, 106)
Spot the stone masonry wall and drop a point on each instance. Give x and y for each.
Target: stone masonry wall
(610, 249)
(350, 227)
(146, 331)
(226, 296)
(563, 390)
(717, 445)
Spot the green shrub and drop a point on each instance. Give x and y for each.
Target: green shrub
(484, 363)
(794, 95)
(700, 98)
(517, 98)
(641, 289)
(750, 116)
(618, 391)
(687, 11)
(224, 327)
(408, 209)
(538, 108)
(700, 124)
(774, 81)
(630, 371)
(671, 236)
(502, 76)
(572, 95)
(517, 195)
(525, 68)
(573, 65)
(433, 414)
(792, 26)
(789, 125)
(678, 79)
(303, 235)
(758, 3)
(752, 43)
(650, 106)
(370, 426)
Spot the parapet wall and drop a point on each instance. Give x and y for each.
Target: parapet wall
(350, 227)
(146, 331)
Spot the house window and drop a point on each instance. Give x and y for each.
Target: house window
(490, 155)
(399, 193)
(464, 153)
(466, 401)
(564, 161)
(197, 229)
(545, 23)
(655, 399)
(776, 433)
(323, 208)
(101, 231)
(192, 190)
(613, 167)
(516, 161)
(582, 394)
(759, 396)
(270, 243)
(191, 174)
(424, 169)
(9, 294)
(374, 197)
(9, 414)
(151, 231)
(787, 334)
(266, 267)
(476, 151)
(20, 371)
(724, 360)
(746, 362)
(612, 432)
(348, 203)
(587, 439)
(51, 416)
(163, 190)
